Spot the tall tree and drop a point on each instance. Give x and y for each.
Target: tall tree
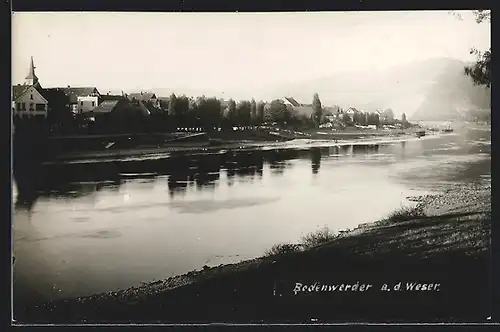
(260, 112)
(253, 111)
(317, 109)
(243, 111)
(231, 112)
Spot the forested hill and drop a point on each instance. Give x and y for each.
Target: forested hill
(425, 90)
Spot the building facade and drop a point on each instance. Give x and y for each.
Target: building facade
(87, 104)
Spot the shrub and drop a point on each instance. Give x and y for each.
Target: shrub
(319, 237)
(279, 249)
(405, 213)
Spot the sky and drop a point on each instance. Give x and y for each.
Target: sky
(229, 51)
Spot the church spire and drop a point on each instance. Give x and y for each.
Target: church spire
(31, 79)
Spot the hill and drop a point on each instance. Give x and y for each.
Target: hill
(425, 90)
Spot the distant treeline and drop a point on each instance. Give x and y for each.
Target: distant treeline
(201, 113)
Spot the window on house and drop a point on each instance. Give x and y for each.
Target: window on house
(81, 103)
(23, 106)
(40, 107)
(31, 97)
(93, 103)
(18, 106)
(31, 107)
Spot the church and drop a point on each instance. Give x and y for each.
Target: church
(28, 99)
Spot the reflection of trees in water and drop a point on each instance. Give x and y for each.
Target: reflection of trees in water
(179, 176)
(243, 164)
(365, 149)
(315, 160)
(345, 149)
(201, 170)
(207, 171)
(278, 159)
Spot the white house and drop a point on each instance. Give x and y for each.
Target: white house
(87, 103)
(351, 111)
(28, 99)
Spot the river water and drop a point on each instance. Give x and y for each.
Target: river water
(102, 226)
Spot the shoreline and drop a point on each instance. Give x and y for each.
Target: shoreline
(243, 145)
(458, 219)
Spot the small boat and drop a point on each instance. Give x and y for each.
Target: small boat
(447, 130)
(420, 133)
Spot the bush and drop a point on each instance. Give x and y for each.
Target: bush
(280, 249)
(322, 236)
(405, 213)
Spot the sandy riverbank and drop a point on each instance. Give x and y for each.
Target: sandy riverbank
(441, 246)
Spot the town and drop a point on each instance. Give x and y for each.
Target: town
(84, 110)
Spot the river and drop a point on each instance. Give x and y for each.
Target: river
(103, 226)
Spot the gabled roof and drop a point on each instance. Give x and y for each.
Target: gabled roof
(56, 96)
(144, 96)
(111, 97)
(352, 109)
(19, 90)
(106, 106)
(74, 93)
(292, 101)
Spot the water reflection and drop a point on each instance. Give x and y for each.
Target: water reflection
(203, 171)
(109, 225)
(315, 160)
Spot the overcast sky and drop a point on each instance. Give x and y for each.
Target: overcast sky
(221, 50)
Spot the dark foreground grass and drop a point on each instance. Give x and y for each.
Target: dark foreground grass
(451, 250)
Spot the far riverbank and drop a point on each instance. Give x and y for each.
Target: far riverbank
(133, 146)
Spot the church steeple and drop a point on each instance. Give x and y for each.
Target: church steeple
(32, 79)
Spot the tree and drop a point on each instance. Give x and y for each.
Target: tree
(403, 118)
(231, 112)
(260, 112)
(278, 111)
(480, 72)
(373, 119)
(243, 111)
(346, 119)
(253, 111)
(317, 109)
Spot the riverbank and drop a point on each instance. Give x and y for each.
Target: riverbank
(209, 144)
(440, 242)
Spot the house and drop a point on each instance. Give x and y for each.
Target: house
(145, 97)
(351, 111)
(82, 99)
(28, 99)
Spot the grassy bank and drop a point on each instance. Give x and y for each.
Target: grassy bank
(441, 241)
